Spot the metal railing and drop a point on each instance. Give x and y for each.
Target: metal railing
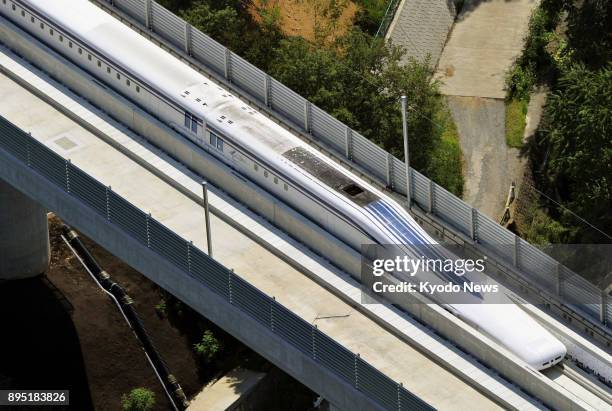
(350, 147)
(387, 18)
(192, 261)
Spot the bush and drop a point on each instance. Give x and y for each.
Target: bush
(516, 112)
(139, 399)
(208, 348)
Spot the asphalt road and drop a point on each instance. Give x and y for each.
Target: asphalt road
(490, 165)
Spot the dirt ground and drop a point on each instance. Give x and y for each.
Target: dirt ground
(299, 17)
(60, 331)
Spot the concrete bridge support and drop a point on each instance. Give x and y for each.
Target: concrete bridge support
(24, 235)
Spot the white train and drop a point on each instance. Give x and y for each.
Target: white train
(256, 147)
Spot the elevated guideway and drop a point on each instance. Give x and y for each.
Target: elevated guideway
(519, 265)
(176, 176)
(179, 212)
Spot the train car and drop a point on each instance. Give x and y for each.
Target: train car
(223, 125)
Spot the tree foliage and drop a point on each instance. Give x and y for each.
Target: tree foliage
(360, 83)
(576, 142)
(208, 348)
(139, 399)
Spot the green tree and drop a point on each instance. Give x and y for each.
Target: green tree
(223, 24)
(590, 31)
(575, 141)
(360, 82)
(208, 348)
(139, 399)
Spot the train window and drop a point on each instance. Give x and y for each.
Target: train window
(219, 144)
(213, 140)
(31, 18)
(255, 167)
(275, 180)
(89, 57)
(194, 125)
(108, 70)
(42, 26)
(61, 38)
(80, 50)
(137, 89)
(118, 76)
(188, 121)
(23, 14)
(127, 82)
(286, 187)
(99, 63)
(13, 7)
(51, 32)
(266, 173)
(70, 44)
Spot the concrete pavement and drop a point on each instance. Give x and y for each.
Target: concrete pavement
(484, 42)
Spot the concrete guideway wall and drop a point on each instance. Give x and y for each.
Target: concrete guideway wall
(169, 276)
(24, 235)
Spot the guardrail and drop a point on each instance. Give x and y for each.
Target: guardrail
(194, 262)
(387, 18)
(351, 147)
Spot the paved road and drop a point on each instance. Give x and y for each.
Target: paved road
(490, 165)
(484, 42)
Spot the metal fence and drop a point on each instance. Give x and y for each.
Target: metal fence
(349, 146)
(208, 272)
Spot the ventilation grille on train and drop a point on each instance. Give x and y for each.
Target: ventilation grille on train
(352, 189)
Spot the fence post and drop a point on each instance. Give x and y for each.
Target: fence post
(406, 151)
(356, 370)
(430, 205)
(348, 143)
(603, 311)
(473, 222)
(147, 11)
(272, 303)
(559, 279)
(267, 90)
(187, 44)
(307, 113)
(148, 231)
(516, 251)
(67, 165)
(227, 68)
(389, 170)
(314, 343)
(229, 284)
(108, 189)
(399, 396)
(189, 245)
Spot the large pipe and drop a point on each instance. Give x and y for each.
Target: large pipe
(171, 385)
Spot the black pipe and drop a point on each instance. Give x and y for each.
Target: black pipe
(125, 304)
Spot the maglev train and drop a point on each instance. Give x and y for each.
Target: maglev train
(257, 148)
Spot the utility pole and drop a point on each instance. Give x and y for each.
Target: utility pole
(406, 152)
(207, 217)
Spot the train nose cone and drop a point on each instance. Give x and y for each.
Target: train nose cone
(545, 354)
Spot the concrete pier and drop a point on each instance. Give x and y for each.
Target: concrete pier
(24, 235)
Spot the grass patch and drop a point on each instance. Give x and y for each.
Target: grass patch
(446, 161)
(516, 119)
